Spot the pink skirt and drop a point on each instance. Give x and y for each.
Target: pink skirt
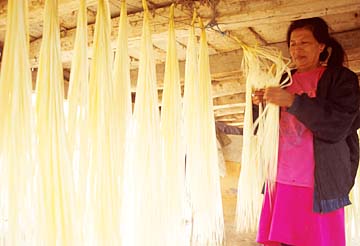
(289, 219)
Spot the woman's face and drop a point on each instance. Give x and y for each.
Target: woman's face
(305, 49)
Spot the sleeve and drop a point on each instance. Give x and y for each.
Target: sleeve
(330, 118)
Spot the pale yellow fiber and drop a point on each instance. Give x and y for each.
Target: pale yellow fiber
(78, 115)
(263, 67)
(143, 206)
(56, 177)
(102, 210)
(203, 176)
(173, 145)
(251, 177)
(191, 106)
(18, 216)
(191, 117)
(121, 106)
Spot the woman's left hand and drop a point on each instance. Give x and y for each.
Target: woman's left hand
(279, 96)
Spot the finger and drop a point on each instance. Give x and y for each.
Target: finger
(273, 92)
(258, 92)
(256, 99)
(267, 94)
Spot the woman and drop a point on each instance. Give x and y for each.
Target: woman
(318, 144)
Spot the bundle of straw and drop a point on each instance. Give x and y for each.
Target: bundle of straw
(202, 170)
(56, 174)
(121, 107)
(191, 117)
(263, 67)
(142, 208)
(77, 120)
(17, 166)
(102, 211)
(173, 145)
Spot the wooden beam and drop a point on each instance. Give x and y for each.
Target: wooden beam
(226, 106)
(230, 122)
(230, 17)
(227, 66)
(225, 94)
(236, 123)
(159, 25)
(227, 87)
(355, 66)
(36, 10)
(231, 117)
(252, 13)
(227, 111)
(353, 56)
(221, 65)
(115, 4)
(235, 100)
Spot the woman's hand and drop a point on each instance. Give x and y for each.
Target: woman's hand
(258, 96)
(279, 96)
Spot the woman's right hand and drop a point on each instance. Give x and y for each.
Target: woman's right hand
(257, 96)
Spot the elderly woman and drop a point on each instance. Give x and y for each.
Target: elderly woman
(318, 144)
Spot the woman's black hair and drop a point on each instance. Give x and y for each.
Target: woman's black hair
(320, 30)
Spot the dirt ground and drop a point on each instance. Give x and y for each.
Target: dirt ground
(229, 191)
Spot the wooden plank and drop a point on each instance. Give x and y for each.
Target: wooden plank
(237, 123)
(36, 12)
(115, 6)
(234, 100)
(228, 17)
(224, 88)
(227, 111)
(159, 25)
(226, 106)
(252, 13)
(229, 98)
(276, 32)
(220, 65)
(231, 117)
(354, 65)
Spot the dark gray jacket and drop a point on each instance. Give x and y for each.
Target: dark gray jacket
(333, 117)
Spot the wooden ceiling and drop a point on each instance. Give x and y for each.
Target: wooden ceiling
(261, 22)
